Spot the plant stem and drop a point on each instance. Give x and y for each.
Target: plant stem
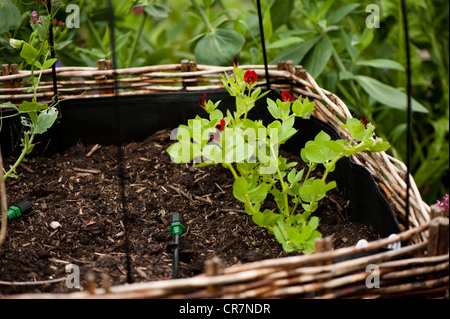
(342, 67)
(202, 15)
(96, 36)
(247, 199)
(324, 177)
(136, 39)
(295, 206)
(22, 155)
(285, 195)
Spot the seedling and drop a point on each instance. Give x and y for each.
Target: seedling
(250, 151)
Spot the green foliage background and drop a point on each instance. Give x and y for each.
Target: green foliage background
(364, 66)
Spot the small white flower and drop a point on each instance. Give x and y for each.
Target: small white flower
(15, 43)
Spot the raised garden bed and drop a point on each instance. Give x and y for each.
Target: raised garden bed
(97, 220)
(80, 193)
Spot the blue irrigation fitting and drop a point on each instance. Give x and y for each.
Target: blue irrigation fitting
(20, 209)
(177, 229)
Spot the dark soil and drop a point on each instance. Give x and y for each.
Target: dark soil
(83, 195)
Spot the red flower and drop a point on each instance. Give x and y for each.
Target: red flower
(287, 97)
(363, 119)
(221, 126)
(235, 62)
(202, 101)
(250, 77)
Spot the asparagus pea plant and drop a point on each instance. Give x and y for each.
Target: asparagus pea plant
(36, 117)
(250, 150)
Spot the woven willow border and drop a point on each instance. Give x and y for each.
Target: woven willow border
(408, 271)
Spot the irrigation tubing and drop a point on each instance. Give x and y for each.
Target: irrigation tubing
(119, 130)
(408, 128)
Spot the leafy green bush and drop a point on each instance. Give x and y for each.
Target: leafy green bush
(364, 66)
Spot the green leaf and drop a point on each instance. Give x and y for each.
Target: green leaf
(387, 95)
(303, 109)
(379, 146)
(38, 64)
(48, 63)
(335, 146)
(45, 120)
(267, 24)
(266, 219)
(41, 29)
(29, 53)
(317, 152)
(314, 222)
(352, 50)
(324, 9)
(319, 187)
(219, 47)
(316, 60)
(10, 17)
(280, 11)
(259, 194)
(382, 64)
(273, 108)
(157, 10)
(180, 152)
(296, 52)
(240, 187)
(337, 15)
(27, 107)
(285, 42)
(216, 115)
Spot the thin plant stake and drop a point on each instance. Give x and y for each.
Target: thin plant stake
(408, 130)
(119, 130)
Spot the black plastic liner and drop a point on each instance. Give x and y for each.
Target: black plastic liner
(93, 121)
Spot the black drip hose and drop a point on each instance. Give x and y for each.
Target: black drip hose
(176, 228)
(176, 255)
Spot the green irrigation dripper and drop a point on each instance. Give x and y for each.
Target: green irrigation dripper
(176, 224)
(15, 211)
(177, 229)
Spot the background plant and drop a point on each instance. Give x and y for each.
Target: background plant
(35, 117)
(363, 66)
(250, 150)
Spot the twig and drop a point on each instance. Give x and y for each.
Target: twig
(93, 149)
(90, 171)
(27, 168)
(4, 203)
(28, 283)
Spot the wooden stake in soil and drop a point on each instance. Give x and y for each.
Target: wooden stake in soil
(106, 283)
(5, 71)
(90, 277)
(324, 245)
(438, 237)
(214, 267)
(189, 66)
(109, 66)
(436, 211)
(101, 66)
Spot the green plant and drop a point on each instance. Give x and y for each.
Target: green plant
(250, 150)
(36, 117)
